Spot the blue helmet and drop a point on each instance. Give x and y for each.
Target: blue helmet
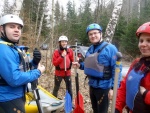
(93, 26)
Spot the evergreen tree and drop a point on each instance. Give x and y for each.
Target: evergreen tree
(129, 40)
(86, 19)
(57, 13)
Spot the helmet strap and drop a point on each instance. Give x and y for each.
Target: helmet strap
(5, 38)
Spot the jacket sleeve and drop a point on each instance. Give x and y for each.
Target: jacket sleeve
(121, 96)
(111, 55)
(57, 58)
(147, 97)
(121, 93)
(10, 69)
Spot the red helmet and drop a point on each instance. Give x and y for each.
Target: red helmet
(145, 28)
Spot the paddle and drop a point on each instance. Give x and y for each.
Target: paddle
(117, 71)
(68, 101)
(34, 83)
(79, 105)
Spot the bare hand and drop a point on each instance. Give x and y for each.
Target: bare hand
(77, 59)
(110, 94)
(41, 68)
(142, 89)
(64, 53)
(75, 65)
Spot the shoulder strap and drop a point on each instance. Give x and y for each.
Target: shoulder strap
(102, 48)
(19, 51)
(6, 43)
(138, 65)
(2, 81)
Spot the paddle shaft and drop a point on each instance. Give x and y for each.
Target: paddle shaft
(117, 71)
(76, 74)
(36, 93)
(37, 98)
(79, 105)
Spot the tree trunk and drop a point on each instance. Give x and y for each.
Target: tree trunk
(110, 30)
(41, 22)
(36, 22)
(40, 28)
(52, 30)
(139, 9)
(17, 7)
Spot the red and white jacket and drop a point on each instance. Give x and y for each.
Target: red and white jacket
(58, 62)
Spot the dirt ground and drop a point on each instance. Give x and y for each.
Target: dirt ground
(47, 81)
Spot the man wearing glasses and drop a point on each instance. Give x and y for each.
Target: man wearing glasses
(99, 66)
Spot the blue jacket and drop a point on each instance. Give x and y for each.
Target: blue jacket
(10, 71)
(107, 57)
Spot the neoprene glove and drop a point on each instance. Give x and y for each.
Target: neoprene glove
(36, 56)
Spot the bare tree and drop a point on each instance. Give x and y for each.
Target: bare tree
(7, 8)
(52, 26)
(36, 22)
(41, 21)
(110, 30)
(17, 7)
(139, 7)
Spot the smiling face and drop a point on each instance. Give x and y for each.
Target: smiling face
(63, 43)
(95, 36)
(13, 31)
(144, 44)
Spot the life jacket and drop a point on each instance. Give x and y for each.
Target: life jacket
(134, 99)
(61, 66)
(95, 70)
(24, 65)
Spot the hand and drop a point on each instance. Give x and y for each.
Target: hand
(110, 94)
(36, 56)
(142, 89)
(77, 59)
(64, 53)
(41, 68)
(75, 65)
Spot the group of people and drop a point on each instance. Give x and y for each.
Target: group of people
(99, 66)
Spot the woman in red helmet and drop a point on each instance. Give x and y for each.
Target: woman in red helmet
(135, 88)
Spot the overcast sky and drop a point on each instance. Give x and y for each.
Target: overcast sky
(64, 3)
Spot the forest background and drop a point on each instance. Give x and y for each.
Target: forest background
(45, 21)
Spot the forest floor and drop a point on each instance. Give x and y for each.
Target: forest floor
(47, 82)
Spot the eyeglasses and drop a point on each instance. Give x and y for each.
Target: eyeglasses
(94, 33)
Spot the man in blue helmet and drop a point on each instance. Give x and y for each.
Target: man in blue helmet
(14, 74)
(99, 66)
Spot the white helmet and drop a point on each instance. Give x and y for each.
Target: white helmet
(10, 18)
(63, 38)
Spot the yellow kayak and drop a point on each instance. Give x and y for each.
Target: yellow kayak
(48, 101)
